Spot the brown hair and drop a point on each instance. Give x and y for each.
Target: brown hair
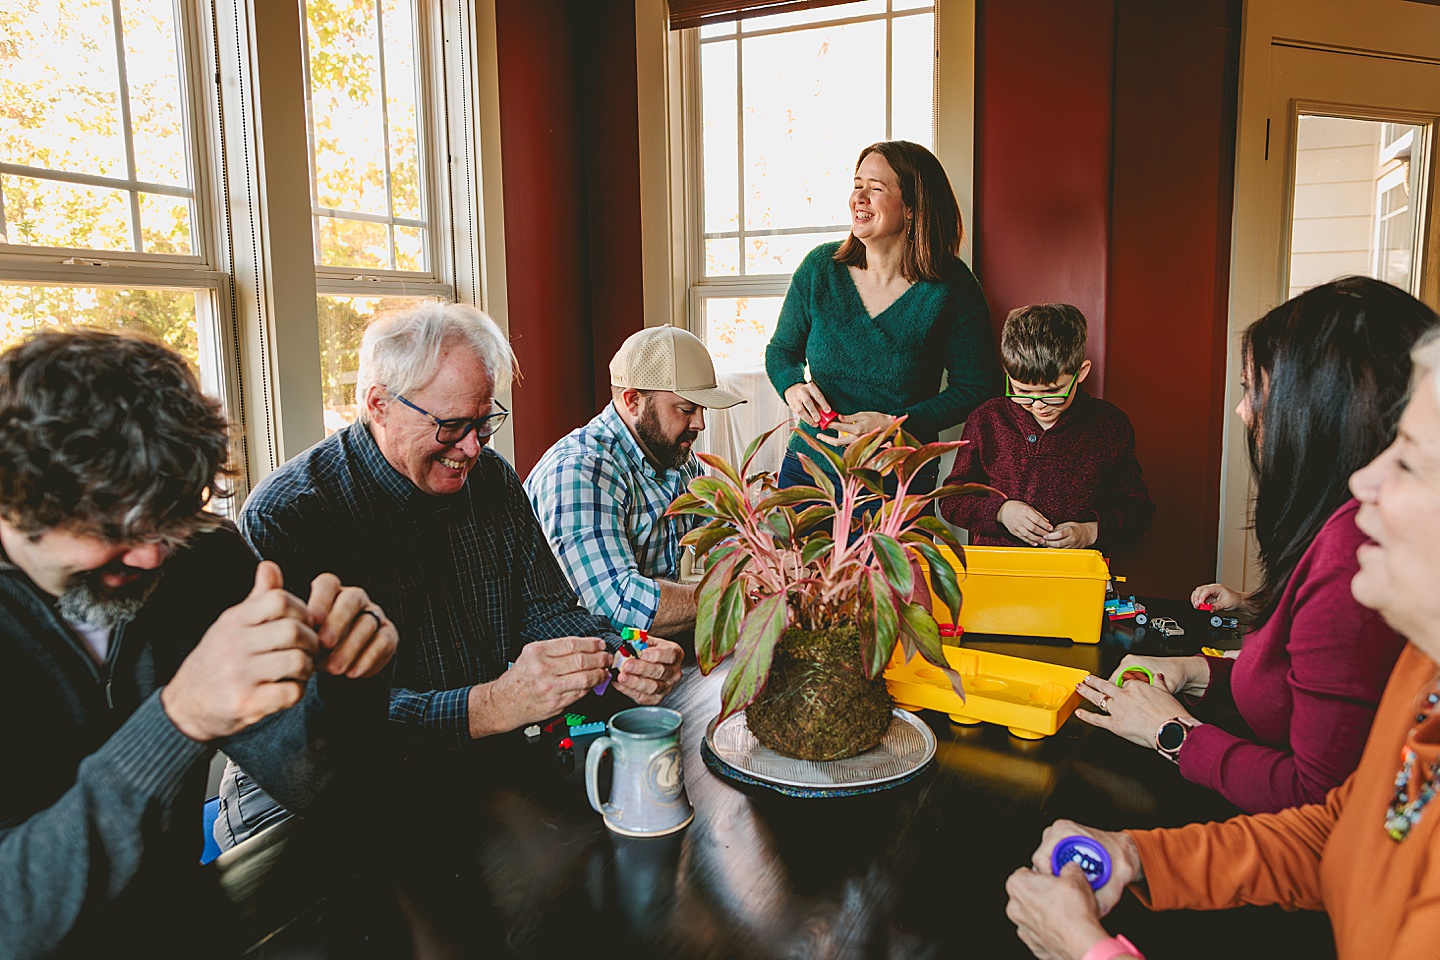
(933, 242)
(107, 434)
(1041, 342)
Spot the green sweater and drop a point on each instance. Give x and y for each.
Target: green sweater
(891, 363)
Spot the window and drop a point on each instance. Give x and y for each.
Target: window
(141, 158)
(105, 214)
(373, 136)
(782, 106)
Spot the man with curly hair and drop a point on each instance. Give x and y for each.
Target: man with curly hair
(138, 634)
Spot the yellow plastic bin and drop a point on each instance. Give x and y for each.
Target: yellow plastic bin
(1029, 591)
(1030, 697)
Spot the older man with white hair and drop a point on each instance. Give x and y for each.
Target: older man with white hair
(412, 502)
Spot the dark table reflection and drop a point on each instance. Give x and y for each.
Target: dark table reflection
(495, 852)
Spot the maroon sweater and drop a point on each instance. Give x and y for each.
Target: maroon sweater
(1307, 683)
(1081, 469)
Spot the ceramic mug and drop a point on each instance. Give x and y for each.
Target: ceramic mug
(647, 790)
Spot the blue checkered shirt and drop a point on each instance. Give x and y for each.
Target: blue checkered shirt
(466, 577)
(602, 506)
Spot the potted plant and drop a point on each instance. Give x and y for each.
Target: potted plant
(811, 618)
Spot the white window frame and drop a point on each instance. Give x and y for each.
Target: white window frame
(203, 270)
(668, 79)
(436, 281)
(702, 288)
(253, 261)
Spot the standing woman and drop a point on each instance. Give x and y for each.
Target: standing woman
(882, 315)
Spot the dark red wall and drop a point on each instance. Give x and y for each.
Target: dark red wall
(570, 153)
(1104, 157)
(1104, 164)
(1176, 73)
(1042, 157)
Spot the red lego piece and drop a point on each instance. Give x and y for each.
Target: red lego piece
(566, 743)
(1204, 606)
(828, 417)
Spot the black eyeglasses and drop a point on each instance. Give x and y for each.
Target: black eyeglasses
(1053, 400)
(458, 428)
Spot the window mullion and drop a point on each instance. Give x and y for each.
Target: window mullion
(739, 152)
(385, 128)
(122, 75)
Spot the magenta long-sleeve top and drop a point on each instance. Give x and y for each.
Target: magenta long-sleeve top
(1307, 683)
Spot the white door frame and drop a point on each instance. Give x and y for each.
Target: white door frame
(1391, 29)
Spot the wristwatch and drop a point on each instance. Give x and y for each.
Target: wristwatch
(1171, 736)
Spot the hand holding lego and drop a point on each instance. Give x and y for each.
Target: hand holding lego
(806, 402)
(359, 638)
(1134, 711)
(1217, 595)
(1024, 521)
(851, 426)
(1057, 917)
(648, 676)
(1073, 536)
(1125, 866)
(1176, 675)
(252, 662)
(546, 677)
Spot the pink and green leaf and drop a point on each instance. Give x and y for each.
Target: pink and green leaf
(895, 562)
(722, 466)
(754, 652)
(925, 634)
(879, 603)
(754, 446)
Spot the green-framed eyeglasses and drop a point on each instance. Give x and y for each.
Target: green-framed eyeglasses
(1053, 400)
(454, 430)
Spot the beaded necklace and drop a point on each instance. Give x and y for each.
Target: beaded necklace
(1403, 812)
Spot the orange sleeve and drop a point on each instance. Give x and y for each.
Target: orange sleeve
(1264, 859)
(1420, 919)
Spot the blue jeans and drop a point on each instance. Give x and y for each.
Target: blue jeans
(792, 474)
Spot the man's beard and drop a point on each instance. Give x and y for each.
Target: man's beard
(668, 454)
(87, 599)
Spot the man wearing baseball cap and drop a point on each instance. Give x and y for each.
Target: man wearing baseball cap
(602, 491)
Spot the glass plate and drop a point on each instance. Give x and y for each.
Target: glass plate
(906, 747)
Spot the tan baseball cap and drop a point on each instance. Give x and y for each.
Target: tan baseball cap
(668, 358)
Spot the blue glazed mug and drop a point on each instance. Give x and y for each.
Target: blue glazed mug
(647, 791)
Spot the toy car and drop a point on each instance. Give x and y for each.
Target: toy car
(1118, 609)
(1224, 623)
(1166, 626)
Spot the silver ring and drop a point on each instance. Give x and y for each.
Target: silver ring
(370, 612)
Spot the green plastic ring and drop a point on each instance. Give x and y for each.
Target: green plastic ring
(1149, 677)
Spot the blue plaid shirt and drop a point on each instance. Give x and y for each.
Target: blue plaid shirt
(602, 506)
(466, 578)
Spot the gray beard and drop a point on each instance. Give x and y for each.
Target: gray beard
(86, 600)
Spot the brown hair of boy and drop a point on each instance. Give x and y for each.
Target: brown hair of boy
(1042, 342)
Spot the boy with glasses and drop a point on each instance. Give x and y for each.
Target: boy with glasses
(1063, 462)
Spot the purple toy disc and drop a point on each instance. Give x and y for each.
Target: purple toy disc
(1085, 853)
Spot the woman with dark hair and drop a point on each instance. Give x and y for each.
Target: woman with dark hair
(1325, 375)
(879, 317)
(1369, 855)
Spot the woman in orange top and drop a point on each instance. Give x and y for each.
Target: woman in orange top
(1370, 854)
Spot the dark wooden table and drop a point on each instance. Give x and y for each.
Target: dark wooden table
(496, 853)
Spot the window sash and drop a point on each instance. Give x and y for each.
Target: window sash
(433, 144)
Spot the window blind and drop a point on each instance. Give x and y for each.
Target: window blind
(700, 13)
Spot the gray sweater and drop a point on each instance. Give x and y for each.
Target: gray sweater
(101, 795)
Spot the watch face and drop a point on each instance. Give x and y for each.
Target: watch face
(1171, 736)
